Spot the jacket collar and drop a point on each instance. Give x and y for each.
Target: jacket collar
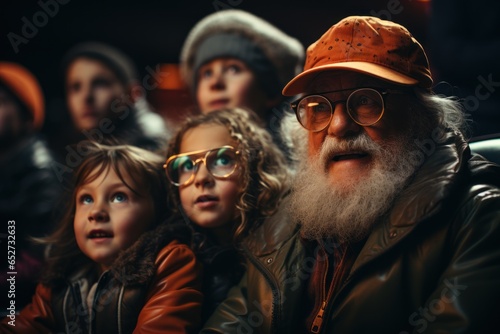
(135, 265)
(433, 182)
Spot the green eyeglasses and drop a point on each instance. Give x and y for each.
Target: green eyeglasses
(220, 162)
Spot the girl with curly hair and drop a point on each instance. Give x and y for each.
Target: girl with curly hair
(226, 176)
(114, 264)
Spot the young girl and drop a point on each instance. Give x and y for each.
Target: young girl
(233, 58)
(226, 176)
(105, 101)
(113, 265)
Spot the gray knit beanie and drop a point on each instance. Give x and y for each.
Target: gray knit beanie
(274, 56)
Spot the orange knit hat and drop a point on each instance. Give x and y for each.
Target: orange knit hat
(25, 86)
(368, 45)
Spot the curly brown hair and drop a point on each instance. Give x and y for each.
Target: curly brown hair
(142, 166)
(264, 171)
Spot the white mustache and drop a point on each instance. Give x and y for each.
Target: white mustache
(361, 143)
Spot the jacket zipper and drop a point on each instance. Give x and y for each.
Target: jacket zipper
(318, 319)
(100, 282)
(77, 296)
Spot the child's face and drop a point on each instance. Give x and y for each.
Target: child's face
(110, 217)
(210, 202)
(91, 89)
(228, 83)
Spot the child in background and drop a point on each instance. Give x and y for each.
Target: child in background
(105, 101)
(226, 176)
(113, 264)
(29, 190)
(234, 59)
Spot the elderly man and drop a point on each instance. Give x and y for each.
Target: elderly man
(392, 225)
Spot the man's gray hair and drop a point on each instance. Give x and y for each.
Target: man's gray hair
(446, 112)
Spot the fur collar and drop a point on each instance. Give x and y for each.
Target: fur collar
(136, 265)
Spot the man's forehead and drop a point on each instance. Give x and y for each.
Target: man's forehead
(327, 81)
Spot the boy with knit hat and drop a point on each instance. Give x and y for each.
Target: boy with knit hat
(28, 188)
(235, 59)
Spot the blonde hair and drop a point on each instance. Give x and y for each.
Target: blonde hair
(264, 172)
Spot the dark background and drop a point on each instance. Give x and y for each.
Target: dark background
(152, 32)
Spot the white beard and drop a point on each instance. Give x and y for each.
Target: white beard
(347, 209)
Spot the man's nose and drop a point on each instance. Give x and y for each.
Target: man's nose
(341, 124)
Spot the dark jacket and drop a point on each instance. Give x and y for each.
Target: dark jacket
(223, 267)
(432, 265)
(29, 195)
(146, 291)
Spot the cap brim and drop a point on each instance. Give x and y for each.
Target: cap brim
(300, 83)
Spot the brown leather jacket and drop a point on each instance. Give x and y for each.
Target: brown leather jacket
(432, 266)
(137, 300)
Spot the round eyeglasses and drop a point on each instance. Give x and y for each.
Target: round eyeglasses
(220, 162)
(365, 106)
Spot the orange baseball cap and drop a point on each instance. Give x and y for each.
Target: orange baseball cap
(25, 86)
(368, 45)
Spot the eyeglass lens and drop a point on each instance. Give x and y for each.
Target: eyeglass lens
(219, 162)
(365, 106)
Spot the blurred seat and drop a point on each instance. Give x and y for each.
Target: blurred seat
(488, 147)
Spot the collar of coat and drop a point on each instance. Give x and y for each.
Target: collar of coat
(446, 166)
(136, 265)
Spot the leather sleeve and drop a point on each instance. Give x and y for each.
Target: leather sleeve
(174, 303)
(227, 318)
(35, 318)
(467, 298)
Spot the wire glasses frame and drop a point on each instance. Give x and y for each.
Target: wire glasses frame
(365, 106)
(220, 162)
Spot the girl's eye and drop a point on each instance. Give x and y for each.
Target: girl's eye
(119, 198)
(187, 166)
(102, 82)
(74, 87)
(233, 68)
(86, 199)
(223, 161)
(205, 73)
